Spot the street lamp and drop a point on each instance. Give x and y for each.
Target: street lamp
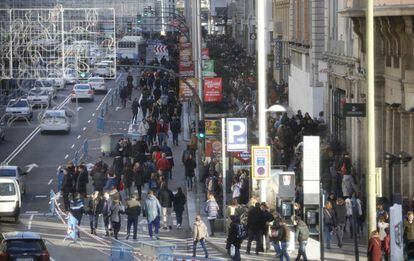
(402, 158)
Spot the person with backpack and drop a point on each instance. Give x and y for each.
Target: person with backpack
(133, 210)
(302, 232)
(237, 233)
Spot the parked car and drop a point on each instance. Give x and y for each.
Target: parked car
(25, 246)
(14, 172)
(58, 80)
(48, 85)
(82, 91)
(18, 109)
(98, 84)
(55, 120)
(2, 130)
(38, 97)
(10, 201)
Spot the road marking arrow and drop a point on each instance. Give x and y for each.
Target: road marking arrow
(31, 166)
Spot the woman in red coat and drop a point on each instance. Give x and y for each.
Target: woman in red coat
(374, 247)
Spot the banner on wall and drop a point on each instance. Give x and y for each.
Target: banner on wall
(205, 54)
(208, 68)
(185, 92)
(213, 127)
(213, 90)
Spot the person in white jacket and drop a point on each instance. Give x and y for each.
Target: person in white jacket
(143, 129)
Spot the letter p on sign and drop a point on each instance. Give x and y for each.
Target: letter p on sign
(237, 134)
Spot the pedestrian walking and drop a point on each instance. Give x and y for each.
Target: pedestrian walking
(255, 224)
(134, 107)
(152, 210)
(82, 181)
(76, 209)
(340, 214)
(124, 95)
(386, 246)
(162, 131)
(107, 202)
(284, 237)
(95, 208)
(164, 166)
(409, 234)
(175, 129)
(212, 209)
(199, 235)
(329, 223)
(138, 178)
(189, 165)
(374, 247)
(116, 210)
(179, 203)
(67, 185)
(128, 178)
(234, 240)
(98, 175)
(133, 210)
(302, 232)
(166, 197)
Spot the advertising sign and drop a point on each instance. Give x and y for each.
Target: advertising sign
(261, 162)
(205, 54)
(208, 68)
(311, 169)
(72, 227)
(213, 90)
(236, 134)
(213, 127)
(396, 233)
(323, 71)
(278, 54)
(185, 92)
(186, 69)
(213, 148)
(287, 184)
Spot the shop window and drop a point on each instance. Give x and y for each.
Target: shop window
(339, 122)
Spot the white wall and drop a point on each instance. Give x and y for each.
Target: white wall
(302, 96)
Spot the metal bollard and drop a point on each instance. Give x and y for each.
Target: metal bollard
(102, 112)
(107, 107)
(112, 99)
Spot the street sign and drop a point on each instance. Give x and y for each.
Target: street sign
(261, 162)
(236, 134)
(354, 110)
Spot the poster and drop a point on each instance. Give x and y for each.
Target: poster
(205, 54)
(213, 90)
(185, 92)
(213, 127)
(213, 148)
(208, 68)
(72, 227)
(396, 232)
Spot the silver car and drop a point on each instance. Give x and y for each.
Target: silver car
(38, 96)
(48, 85)
(55, 120)
(19, 108)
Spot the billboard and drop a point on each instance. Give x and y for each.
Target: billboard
(208, 68)
(213, 127)
(213, 89)
(185, 92)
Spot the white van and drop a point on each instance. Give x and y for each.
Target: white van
(10, 198)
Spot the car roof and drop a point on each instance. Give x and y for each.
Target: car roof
(8, 180)
(95, 77)
(8, 167)
(54, 111)
(20, 235)
(15, 100)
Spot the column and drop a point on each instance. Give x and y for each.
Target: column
(388, 148)
(405, 146)
(396, 149)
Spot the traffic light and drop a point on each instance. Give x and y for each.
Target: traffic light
(146, 12)
(201, 130)
(129, 27)
(139, 19)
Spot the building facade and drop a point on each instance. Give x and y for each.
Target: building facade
(280, 44)
(394, 87)
(307, 44)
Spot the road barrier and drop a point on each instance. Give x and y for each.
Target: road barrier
(111, 100)
(121, 252)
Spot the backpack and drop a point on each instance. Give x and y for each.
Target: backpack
(241, 232)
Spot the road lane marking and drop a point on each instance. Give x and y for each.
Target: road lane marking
(84, 128)
(67, 156)
(89, 121)
(31, 212)
(93, 114)
(79, 136)
(40, 196)
(29, 226)
(73, 145)
(104, 98)
(30, 137)
(50, 182)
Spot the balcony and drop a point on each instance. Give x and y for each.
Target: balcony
(356, 8)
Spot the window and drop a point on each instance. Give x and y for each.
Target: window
(25, 245)
(7, 189)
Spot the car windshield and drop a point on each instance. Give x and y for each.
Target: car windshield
(54, 114)
(37, 92)
(7, 189)
(82, 87)
(101, 66)
(25, 245)
(96, 80)
(7, 173)
(43, 84)
(16, 104)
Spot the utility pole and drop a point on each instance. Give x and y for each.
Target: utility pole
(262, 80)
(370, 47)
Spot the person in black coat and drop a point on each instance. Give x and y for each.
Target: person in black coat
(133, 210)
(179, 203)
(255, 224)
(175, 129)
(82, 180)
(165, 196)
(115, 212)
(190, 166)
(134, 108)
(138, 177)
(232, 238)
(67, 185)
(95, 207)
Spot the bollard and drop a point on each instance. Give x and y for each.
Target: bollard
(52, 202)
(85, 148)
(100, 124)
(102, 112)
(112, 99)
(76, 158)
(107, 107)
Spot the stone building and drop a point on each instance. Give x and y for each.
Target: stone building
(280, 43)
(394, 87)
